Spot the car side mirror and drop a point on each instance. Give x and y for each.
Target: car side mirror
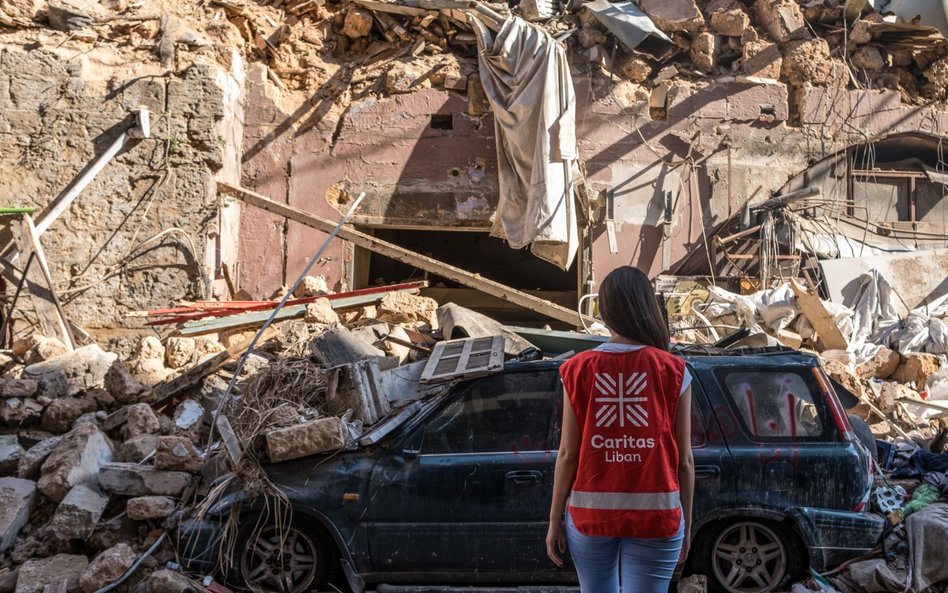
(412, 449)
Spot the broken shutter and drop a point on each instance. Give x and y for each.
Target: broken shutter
(464, 359)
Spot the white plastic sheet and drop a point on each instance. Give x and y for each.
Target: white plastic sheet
(526, 77)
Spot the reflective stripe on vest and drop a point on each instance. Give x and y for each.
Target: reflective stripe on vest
(625, 501)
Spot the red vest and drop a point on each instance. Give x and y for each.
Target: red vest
(627, 480)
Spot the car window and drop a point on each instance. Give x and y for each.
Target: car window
(777, 404)
(504, 413)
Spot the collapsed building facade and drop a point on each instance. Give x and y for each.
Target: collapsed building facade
(721, 107)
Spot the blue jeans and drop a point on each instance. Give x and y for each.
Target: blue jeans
(647, 564)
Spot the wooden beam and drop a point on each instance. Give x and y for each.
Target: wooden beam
(406, 256)
(813, 309)
(39, 282)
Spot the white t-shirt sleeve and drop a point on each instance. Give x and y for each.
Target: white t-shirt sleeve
(685, 381)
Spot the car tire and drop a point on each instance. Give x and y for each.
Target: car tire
(864, 434)
(295, 556)
(726, 553)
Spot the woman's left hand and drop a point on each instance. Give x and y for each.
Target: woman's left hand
(685, 548)
(556, 542)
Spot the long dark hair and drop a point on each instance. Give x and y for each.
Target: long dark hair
(628, 305)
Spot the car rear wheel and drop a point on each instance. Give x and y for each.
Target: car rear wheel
(748, 557)
(273, 558)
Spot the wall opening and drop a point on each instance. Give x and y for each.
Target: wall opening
(442, 121)
(475, 252)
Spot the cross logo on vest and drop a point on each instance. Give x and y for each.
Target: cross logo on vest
(621, 400)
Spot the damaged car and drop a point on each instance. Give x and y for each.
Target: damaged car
(458, 491)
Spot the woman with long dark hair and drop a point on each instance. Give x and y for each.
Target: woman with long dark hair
(624, 473)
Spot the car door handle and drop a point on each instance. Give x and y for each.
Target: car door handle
(525, 477)
(707, 471)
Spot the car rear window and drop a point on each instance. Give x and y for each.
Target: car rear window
(778, 404)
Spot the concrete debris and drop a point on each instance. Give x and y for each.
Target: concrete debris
(71, 373)
(358, 23)
(121, 385)
(150, 508)
(321, 312)
(179, 352)
(674, 15)
(402, 307)
(881, 366)
(869, 58)
(136, 449)
(188, 419)
(164, 581)
(177, 453)
(636, 68)
(32, 461)
(107, 567)
(339, 345)
(35, 575)
(917, 368)
(60, 415)
(17, 499)
(731, 23)
(141, 421)
(696, 583)
(782, 19)
(309, 438)
(807, 61)
(69, 15)
(312, 286)
(78, 514)
(76, 460)
(20, 388)
(43, 348)
(130, 479)
(704, 50)
(18, 412)
(10, 453)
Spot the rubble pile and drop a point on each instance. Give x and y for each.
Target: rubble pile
(100, 456)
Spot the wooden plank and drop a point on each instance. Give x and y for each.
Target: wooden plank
(231, 444)
(392, 8)
(407, 256)
(819, 318)
(39, 282)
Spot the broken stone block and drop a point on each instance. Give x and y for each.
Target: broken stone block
(205, 347)
(783, 19)
(107, 567)
(730, 23)
(704, 50)
(17, 499)
(179, 351)
(10, 453)
(20, 388)
(402, 307)
(312, 286)
(177, 453)
(165, 581)
(807, 62)
(83, 368)
(762, 59)
(76, 460)
(8, 580)
(61, 413)
(673, 15)
(696, 583)
(137, 449)
(636, 68)
(129, 479)
(407, 77)
(315, 436)
(121, 385)
(145, 508)
(141, 420)
(937, 72)
(32, 461)
(880, 366)
(358, 23)
(860, 34)
(917, 368)
(148, 363)
(18, 412)
(891, 393)
(44, 349)
(78, 513)
(188, 419)
(321, 312)
(868, 58)
(69, 15)
(844, 376)
(37, 573)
